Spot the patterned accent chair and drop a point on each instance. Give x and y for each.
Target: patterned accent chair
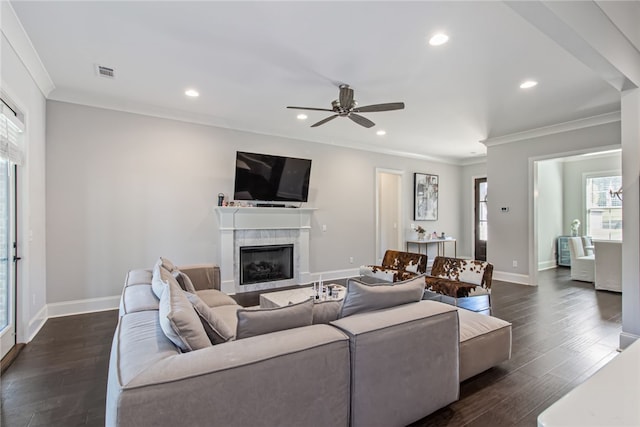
(460, 278)
(396, 266)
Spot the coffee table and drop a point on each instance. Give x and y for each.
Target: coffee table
(293, 296)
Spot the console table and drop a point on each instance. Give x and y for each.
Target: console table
(439, 242)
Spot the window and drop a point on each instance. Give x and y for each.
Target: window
(604, 209)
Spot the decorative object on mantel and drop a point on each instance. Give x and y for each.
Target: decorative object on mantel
(425, 197)
(420, 232)
(617, 194)
(220, 199)
(575, 227)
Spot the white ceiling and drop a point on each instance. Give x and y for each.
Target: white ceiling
(249, 60)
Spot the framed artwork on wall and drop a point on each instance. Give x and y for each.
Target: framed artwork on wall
(425, 197)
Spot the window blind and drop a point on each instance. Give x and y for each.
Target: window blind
(11, 133)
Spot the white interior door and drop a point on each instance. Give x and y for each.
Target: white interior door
(388, 211)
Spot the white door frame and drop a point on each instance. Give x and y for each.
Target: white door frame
(473, 211)
(400, 227)
(533, 203)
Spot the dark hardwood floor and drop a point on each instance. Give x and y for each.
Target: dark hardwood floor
(563, 331)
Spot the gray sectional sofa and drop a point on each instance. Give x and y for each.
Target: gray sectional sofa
(385, 367)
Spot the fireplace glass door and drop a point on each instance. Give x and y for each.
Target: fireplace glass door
(269, 263)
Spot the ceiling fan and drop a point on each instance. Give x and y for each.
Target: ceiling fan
(346, 106)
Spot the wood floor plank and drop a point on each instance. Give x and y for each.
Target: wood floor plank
(563, 332)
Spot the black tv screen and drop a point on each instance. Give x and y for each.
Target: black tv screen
(271, 178)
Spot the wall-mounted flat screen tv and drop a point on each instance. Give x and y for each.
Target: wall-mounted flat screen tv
(264, 177)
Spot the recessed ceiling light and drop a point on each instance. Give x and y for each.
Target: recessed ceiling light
(438, 39)
(191, 93)
(301, 117)
(528, 84)
(381, 132)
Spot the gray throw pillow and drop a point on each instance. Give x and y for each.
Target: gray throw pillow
(326, 311)
(217, 330)
(179, 321)
(266, 320)
(361, 297)
(167, 264)
(160, 276)
(184, 281)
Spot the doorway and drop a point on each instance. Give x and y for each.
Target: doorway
(480, 218)
(388, 211)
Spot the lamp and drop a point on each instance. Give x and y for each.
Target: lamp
(617, 194)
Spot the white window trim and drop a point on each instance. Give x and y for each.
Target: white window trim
(585, 176)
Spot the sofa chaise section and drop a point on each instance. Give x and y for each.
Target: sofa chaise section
(404, 362)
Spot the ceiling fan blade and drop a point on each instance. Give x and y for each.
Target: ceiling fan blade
(346, 96)
(379, 107)
(310, 108)
(323, 121)
(362, 121)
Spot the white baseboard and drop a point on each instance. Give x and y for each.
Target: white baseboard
(547, 265)
(626, 339)
(90, 305)
(37, 323)
(504, 276)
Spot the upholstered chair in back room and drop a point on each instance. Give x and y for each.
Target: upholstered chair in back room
(582, 265)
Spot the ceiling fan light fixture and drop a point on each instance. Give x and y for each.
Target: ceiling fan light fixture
(528, 84)
(438, 39)
(192, 93)
(301, 117)
(381, 132)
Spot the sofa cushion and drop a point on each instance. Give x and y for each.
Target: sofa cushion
(215, 327)
(138, 298)
(485, 341)
(253, 322)
(361, 297)
(326, 311)
(184, 281)
(138, 277)
(179, 321)
(215, 298)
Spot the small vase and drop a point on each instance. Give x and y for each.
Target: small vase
(420, 236)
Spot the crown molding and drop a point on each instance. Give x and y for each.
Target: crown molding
(554, 129)
(17, 37)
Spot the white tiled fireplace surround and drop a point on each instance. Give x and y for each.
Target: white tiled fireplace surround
(262, 226)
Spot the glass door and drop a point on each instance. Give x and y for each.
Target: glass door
(7, 257)
(481, 222)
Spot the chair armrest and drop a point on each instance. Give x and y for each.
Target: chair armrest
(203, 276)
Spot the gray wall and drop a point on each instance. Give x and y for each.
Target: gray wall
(508, 170)
(123, 189)
(549, 206)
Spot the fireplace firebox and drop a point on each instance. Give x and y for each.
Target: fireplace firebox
(268, 263)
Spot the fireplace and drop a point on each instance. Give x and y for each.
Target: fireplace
(266, 263)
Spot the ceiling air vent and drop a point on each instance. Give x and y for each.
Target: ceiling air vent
(105, 71)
